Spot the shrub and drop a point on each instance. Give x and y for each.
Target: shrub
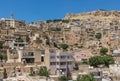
(98, 35)
(103, 51)
(64, 46)
(98, 60)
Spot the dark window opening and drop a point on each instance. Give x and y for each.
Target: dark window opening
(42, 59)
(29, 60)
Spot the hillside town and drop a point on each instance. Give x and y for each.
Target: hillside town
(67, 49)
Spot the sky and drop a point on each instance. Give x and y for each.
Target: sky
(35, 10)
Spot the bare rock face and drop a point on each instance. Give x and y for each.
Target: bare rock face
(98, 13)
(104, 13)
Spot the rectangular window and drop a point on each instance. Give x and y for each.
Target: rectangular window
(42, 51)
(57, 63)
(42, 58)
(58, 57)
(69, 63)
(30, 54)
(52, 57)
(68, 57)
(62, 57)
(63, 63)
(52, 63)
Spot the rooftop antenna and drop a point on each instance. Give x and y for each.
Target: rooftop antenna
(11, 16)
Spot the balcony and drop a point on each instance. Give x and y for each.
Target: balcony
(60, 60)
(63, 66)
(65, 59)
(27, 56)
(53, 60)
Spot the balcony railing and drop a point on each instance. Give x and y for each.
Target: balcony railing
(66, 59)
(63, 66)
(60, 60)
(27, 56)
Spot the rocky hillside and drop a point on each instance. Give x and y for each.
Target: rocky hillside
(88, 31)
(94, 14)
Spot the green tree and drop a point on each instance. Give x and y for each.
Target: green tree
(103, 51)
(54, 29)
(104, 60)
(27, 39)
(86, 78)
(64, 46)
(20, 40)
(1, 45)
(108, 59)
(43, 72)
(63, 78)
(65, 21)
(98, 35)
(84, 61)
(3, 56)
(47, 41)
(55, 45)
(95, 61)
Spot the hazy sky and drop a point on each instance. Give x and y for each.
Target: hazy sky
(33, 10)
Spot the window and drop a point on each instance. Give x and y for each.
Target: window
(42, 52)
(15, 44)
(52, 63)
(52, 51)
(62, 57)
(58, 57)
(57, 63)
(13, 53)
(42, 58)
(30, 54)
(63, 63)
(69, 63)
(52, 57)
(68, 57)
